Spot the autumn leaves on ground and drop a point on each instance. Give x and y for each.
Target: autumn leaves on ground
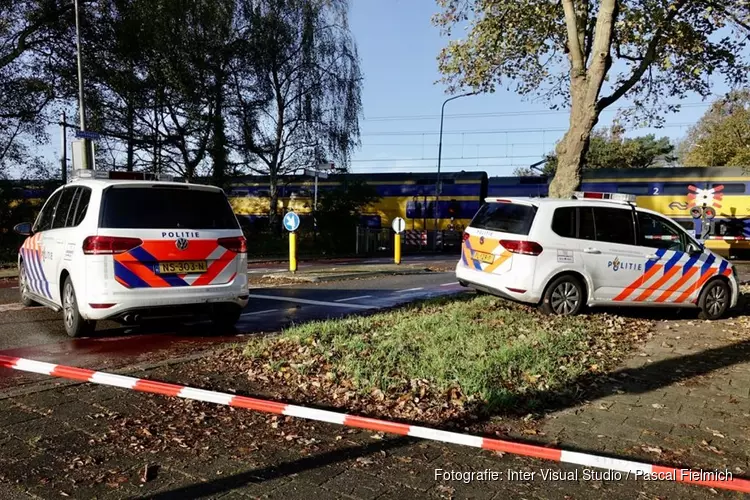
(446, 362)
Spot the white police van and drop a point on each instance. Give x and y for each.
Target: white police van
(595, 249)
(129, 247)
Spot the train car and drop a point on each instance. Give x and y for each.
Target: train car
(670, 191)
(673, 191)
(407, 195)
(526, 186)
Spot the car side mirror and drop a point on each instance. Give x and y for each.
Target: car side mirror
(694, 248)
(24, 228)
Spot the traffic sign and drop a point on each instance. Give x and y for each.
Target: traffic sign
(87, 134)
(291, 221)
(398, 225)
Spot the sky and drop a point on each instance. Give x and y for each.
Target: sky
(496, 133)
(398, 48)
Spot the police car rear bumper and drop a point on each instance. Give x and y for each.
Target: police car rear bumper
(115, 305)
(495, 284)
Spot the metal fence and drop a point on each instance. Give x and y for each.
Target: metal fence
(377, 240)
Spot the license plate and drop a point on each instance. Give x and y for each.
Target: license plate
(483, 257)
(194, 266)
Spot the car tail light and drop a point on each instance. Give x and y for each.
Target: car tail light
(522, 247)
(237, 244)
(108, 245)
(101, 306)
(466, 236)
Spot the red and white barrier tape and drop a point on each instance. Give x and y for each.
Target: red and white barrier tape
(662, 237)
(729, 238)
(638, 469)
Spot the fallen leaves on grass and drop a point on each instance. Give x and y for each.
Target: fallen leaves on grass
(435, 362)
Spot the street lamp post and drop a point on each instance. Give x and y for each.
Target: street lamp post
(440, 154)
(87, 160)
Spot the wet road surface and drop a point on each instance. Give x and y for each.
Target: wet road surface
(37, 333)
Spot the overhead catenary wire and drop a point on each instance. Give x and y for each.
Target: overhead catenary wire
(493, 114)
(494, 132)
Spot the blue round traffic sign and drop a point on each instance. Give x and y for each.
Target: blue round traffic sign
(291, 221)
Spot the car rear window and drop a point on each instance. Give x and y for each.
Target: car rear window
(162, 207)
(505, 217)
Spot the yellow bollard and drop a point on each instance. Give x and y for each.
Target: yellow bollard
(397, 248)
(293, 252)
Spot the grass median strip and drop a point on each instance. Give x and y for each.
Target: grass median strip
(443, 357)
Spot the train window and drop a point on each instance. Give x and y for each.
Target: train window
(681, 189)
(636, 189)
(533, 180)
(734, 188)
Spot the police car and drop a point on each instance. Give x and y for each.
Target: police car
(129, 247)
(595, 249)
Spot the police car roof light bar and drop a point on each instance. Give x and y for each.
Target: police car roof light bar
(119, 175)
(604, 196)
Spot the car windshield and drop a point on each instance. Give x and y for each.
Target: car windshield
(505, 217)
(165, 207)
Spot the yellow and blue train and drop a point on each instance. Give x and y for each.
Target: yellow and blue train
(412, 196)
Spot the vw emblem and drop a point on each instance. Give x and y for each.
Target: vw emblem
(481, 240)
(181, 243)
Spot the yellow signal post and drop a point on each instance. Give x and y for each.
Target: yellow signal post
(291, 223)
(397, 248)
(293, 251)
(398, 226)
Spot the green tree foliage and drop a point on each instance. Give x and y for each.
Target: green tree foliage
(722, 136)
(339, 211)
(301, 101)
(28, 29)
(610, 149)
(589, 54)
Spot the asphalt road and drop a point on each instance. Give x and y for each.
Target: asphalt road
(37, 333)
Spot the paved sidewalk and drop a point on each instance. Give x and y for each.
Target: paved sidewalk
(89, 441)
(685, 395)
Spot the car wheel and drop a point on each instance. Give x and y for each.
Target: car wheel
(714, 300)
(23, 287)
(225, 316)
(75, 324)
(564, 297)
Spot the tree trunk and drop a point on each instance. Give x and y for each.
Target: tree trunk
(219, 143)
(273, 209)
(131, 146)
(585, 85)
(572, 150)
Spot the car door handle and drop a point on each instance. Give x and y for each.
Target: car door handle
(591, 250)
(652, 256)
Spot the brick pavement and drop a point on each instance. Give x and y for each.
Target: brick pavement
(88, 441)
(685, 395)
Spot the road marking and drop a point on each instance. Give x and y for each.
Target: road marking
(354, 298)
(449, 284)
(409, 290)
(311, 302)
(258, 312)
(16, 306)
